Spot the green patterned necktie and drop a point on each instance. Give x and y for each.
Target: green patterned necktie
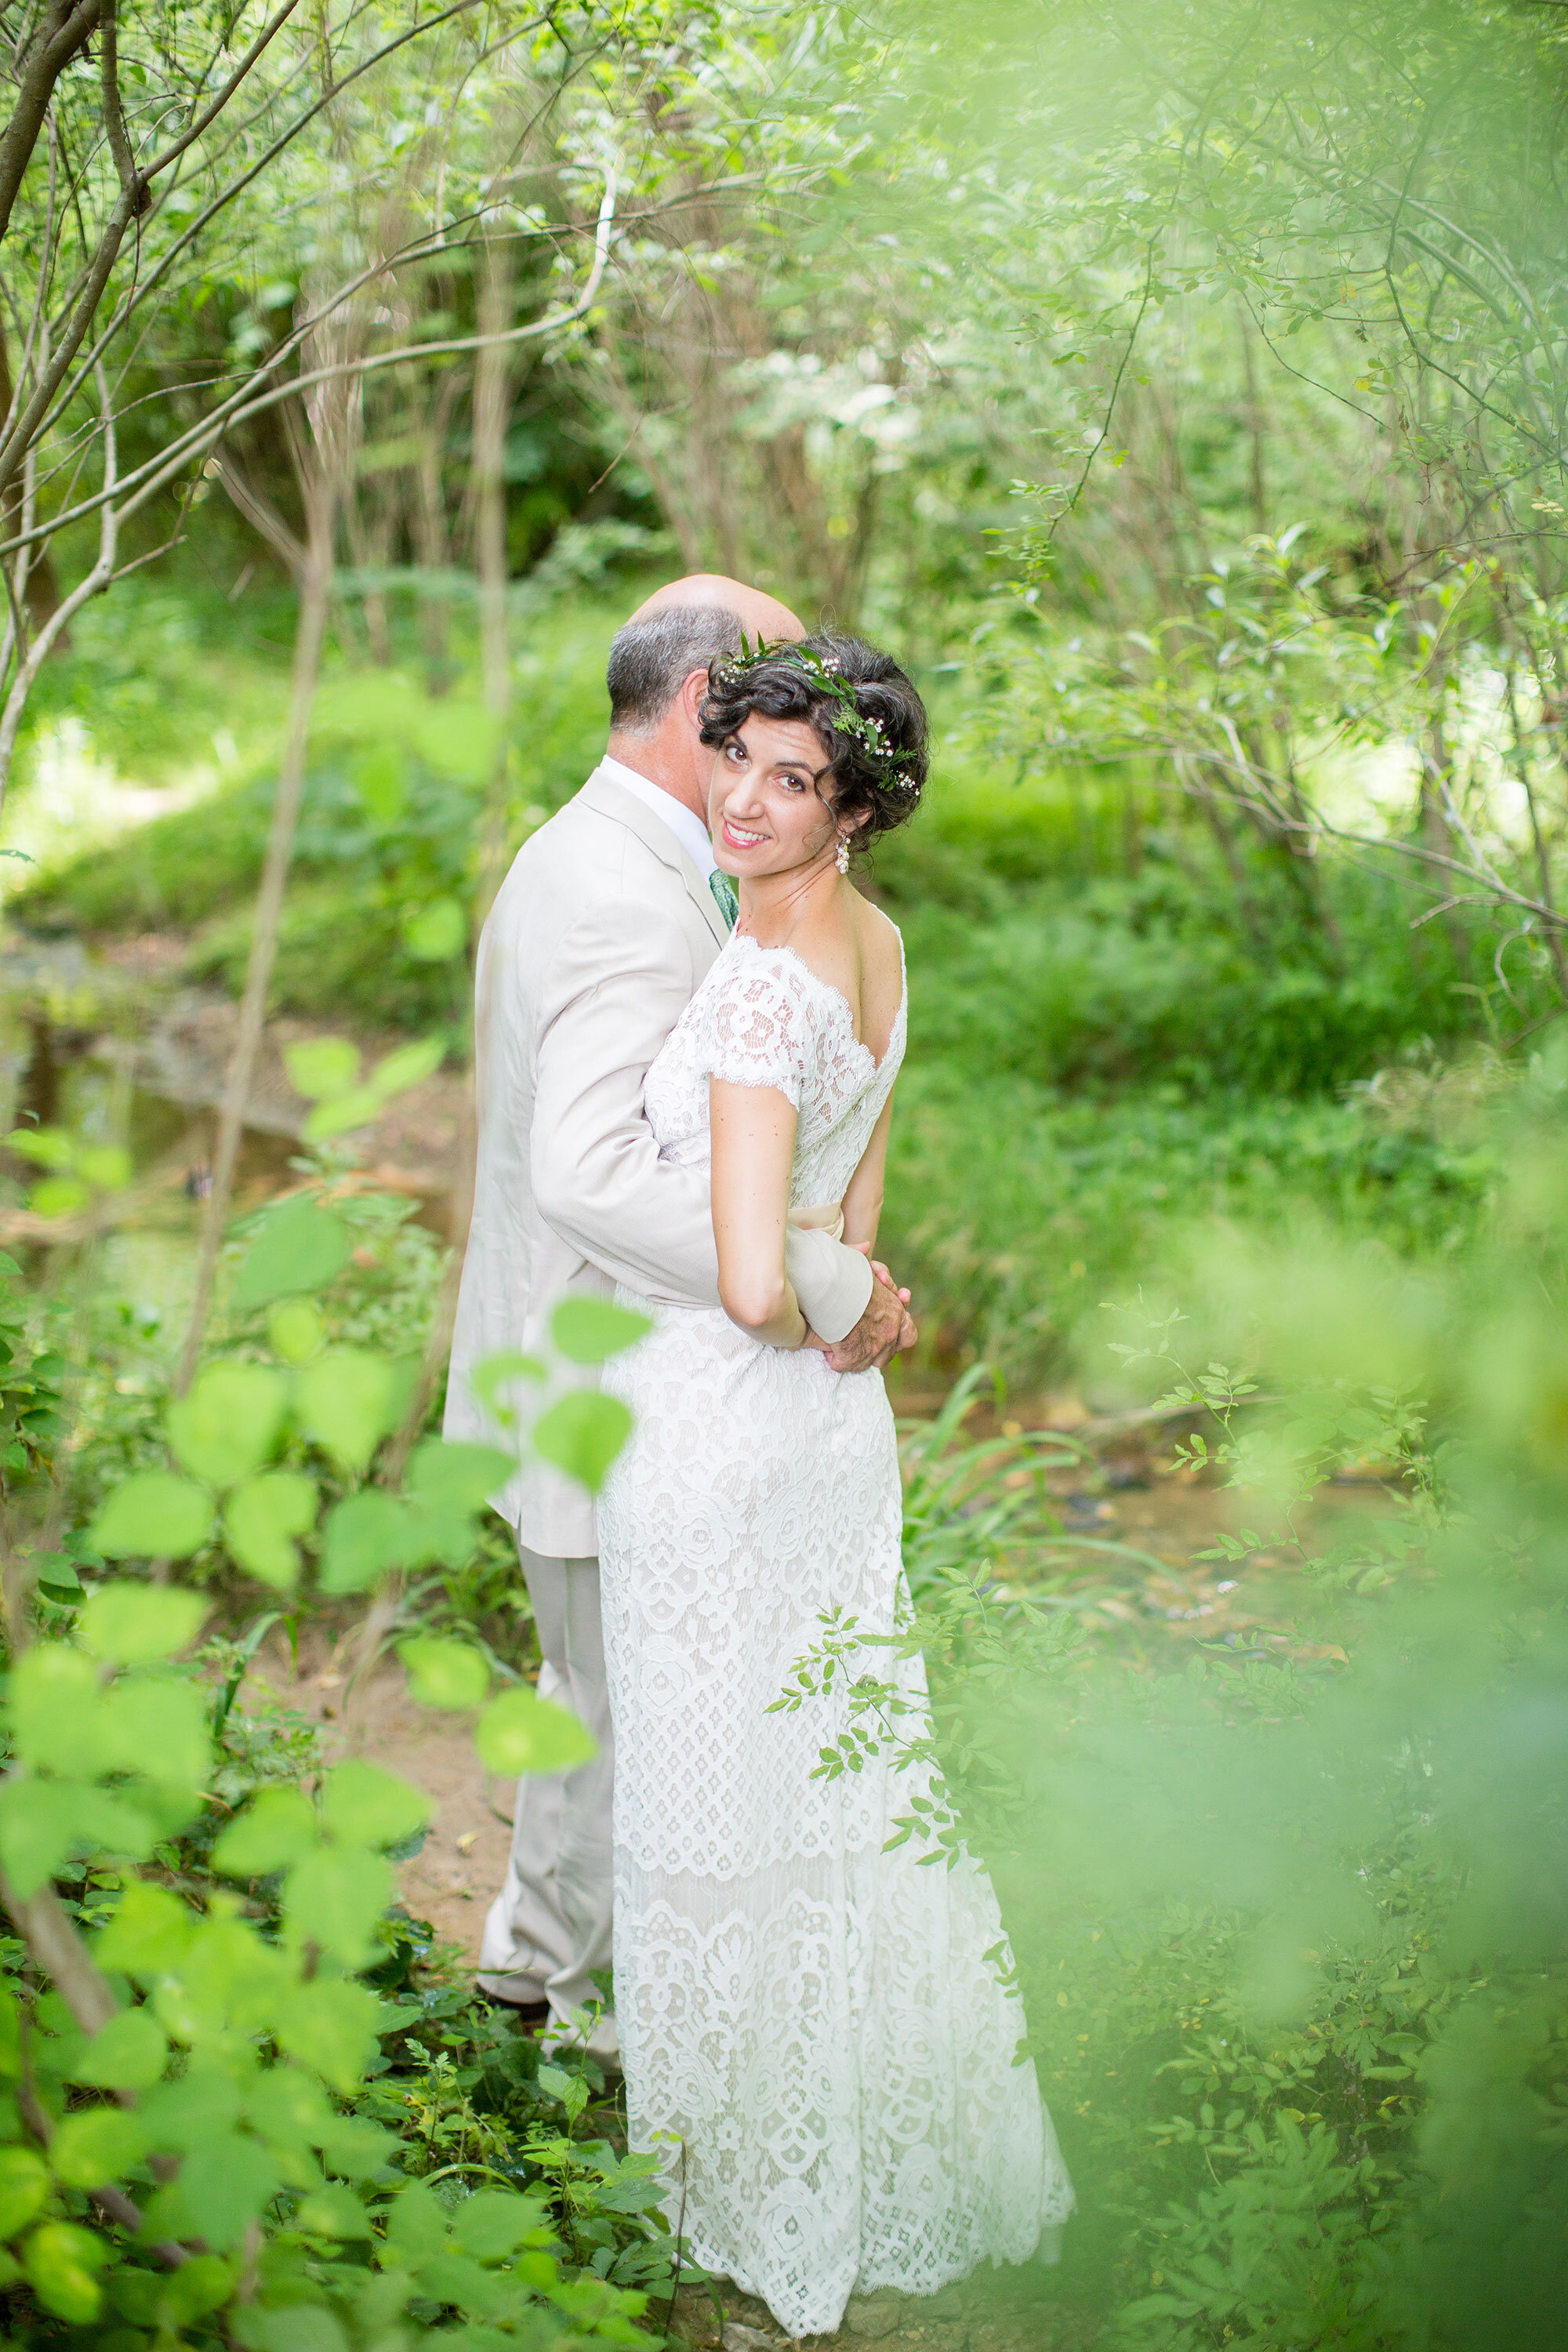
(726, 897)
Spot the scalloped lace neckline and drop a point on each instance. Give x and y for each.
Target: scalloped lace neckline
(745, 940)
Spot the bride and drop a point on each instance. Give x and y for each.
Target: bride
(810, 2026)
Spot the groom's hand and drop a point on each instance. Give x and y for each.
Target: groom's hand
(885, 1327)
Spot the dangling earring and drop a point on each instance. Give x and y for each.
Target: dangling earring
(842, 859)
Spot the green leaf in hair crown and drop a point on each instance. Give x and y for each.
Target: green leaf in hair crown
(825, 674)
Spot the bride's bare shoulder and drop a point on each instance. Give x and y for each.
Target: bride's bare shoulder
(881, 942)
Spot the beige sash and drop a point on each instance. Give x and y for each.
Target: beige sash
(828, 1219)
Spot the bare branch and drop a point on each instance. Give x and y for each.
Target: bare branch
(93, 585)
(63, 33)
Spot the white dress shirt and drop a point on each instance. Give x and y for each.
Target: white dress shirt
(688, 829)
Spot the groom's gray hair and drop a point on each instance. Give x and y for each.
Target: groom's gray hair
(651, 659)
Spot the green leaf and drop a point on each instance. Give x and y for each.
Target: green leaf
(588, 1329)
(95, 2145)
(54, 1710)
(457, 1477)
(150, 1724)
(301, 1247)
(436, 933)
(408, 1066)
(229, 2181)
(298, 2327)
(278, 1828)
(129, 1823)
(444, 1674)
(416, 2224)
(134, 1623)
(457, 2279)
(295, 1331)
(347, 1401)
(294, 2327)
(148, 1932)
(363, 1805)
(40, 1821)
(582, 1434)
(359, 1109)
(520, 1732)
(198, 2286)
(288, 2108)
(328, 2024)
(46, 1147)
(107, 1167)
(58, 1576)
(129, 2054)
(322, 1068)
(23, 2186)
(62, 2262)
(153, 1516)
(59, 1196)
(364, 1538)
(457, 739)
(263, 1517)
(198, 2108)
(380, 779)
(494, 1373)
(357, 2148)
(334, 1898)
(494, 2223)
(224, 1429)
(333, 2211)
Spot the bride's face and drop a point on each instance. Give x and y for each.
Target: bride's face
(765, 807)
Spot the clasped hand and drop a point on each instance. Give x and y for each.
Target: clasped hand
(884, 1330)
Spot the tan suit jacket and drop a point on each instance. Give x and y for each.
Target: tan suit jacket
(596, 941)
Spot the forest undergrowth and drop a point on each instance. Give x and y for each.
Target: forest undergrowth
(1099, 1059)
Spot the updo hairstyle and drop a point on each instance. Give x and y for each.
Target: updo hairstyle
(776, 684)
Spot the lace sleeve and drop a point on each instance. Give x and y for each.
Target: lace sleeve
(759, 1028)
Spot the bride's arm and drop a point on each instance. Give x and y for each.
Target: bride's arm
(754, 1147)
(863, 1199)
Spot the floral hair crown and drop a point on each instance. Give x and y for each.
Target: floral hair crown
(847, 717)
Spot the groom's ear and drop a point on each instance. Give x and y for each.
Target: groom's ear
(693, 689)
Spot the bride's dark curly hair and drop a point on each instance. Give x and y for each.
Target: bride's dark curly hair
(866, 714)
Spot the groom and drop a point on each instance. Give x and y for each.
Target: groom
(610, 917)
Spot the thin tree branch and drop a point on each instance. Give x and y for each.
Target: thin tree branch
(93, 585)
(63, 33)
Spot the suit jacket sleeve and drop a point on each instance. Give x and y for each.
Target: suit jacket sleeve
(620, 980)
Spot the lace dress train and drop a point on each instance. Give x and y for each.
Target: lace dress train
(810, 2027)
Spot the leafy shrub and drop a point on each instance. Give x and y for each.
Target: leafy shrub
(1160, 978)
(1012, 1207)
(244, 2112)
(1288, 1917)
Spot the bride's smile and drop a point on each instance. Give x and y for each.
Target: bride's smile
(766, 806)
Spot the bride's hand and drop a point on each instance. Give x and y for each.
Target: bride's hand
(885, 1327)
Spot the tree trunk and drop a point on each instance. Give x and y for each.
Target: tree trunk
(319, 486)
(493, 406)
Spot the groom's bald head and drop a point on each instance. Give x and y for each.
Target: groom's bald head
(657, 675)
(755, 612)
(681, 628)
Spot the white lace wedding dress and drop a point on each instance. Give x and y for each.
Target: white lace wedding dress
(810, 2027)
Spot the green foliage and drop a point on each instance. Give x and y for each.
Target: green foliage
(1159, 978)
(327, 1069)
(31, 1395)
(1014, 1208)
(391, 806)
(199, 2144)
(1288, 1915)
(301, 1246)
